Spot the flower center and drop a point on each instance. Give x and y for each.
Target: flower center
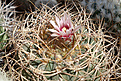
(64, 29)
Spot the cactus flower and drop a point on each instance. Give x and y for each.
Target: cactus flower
(64, 27)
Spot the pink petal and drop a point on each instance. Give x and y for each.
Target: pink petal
(54, 35)
(61, 25)
(57, 20)
(54, 25)
(76, 28)
(69, 23)
(62, 33)
(65, 16)
(68, 32)
(67, 19)
(52, 30)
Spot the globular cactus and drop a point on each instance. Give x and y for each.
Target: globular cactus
(6, 12)
(109, 9)
(92, 54)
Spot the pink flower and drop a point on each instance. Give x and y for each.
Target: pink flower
(64, 27)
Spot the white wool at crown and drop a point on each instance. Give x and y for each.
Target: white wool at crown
(51, 2)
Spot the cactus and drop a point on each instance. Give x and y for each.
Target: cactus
(109, 9)
(93, 54)
(6, 11)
